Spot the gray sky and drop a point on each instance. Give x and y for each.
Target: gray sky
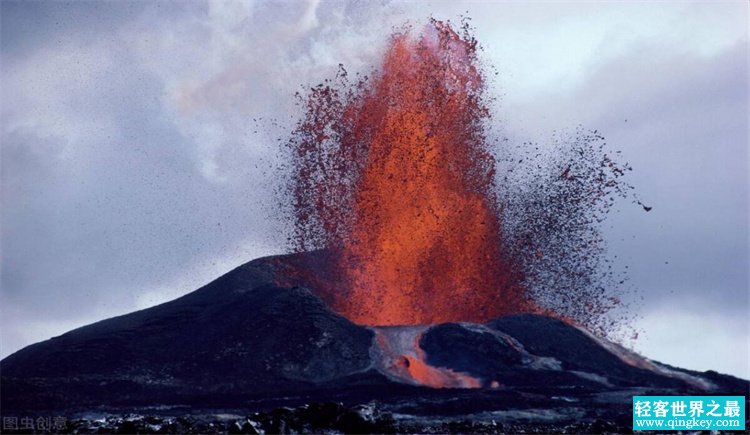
(133, 171)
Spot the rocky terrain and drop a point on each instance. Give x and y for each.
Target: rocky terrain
(246, 354)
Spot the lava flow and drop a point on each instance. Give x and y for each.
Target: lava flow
(399, 178)
(400, 357)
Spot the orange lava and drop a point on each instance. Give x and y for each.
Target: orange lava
(425, 243)
(429, 376)
(395, 176)
(404, 359)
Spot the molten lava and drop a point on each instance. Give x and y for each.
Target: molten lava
(400, 357)
(397, 177)
(425, 243)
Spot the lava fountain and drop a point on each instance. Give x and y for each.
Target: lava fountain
(425, 243)
(395, 184)
(396, 175)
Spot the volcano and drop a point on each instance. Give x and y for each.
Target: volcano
(426, 293)
(247, 345)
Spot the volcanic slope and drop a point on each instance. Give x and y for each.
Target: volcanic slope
(246, 342)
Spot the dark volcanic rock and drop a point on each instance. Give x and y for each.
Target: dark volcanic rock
(560, 340)
(470, 350)
(238, 336)
(252, 344)
(577, 351)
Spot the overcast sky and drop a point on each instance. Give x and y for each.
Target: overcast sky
(138, 143)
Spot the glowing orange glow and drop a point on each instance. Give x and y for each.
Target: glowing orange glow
(394, 187)
(427, 375)
(396, 178)
(425, 243)
(405, 360)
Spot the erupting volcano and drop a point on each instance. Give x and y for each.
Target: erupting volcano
(444, 281)
(397, 176)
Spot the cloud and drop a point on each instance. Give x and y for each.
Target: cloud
(132, 168)
(687, 139)
(696, 339)
(678, 110)
(235, 63)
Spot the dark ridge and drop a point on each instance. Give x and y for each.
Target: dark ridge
(244, 343)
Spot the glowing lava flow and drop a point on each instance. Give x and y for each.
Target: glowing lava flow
(398, 177)
(401, 358)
